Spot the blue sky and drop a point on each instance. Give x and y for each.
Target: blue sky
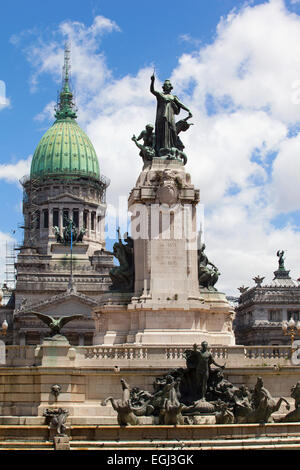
(235, 64)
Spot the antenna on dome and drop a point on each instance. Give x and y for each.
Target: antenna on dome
(66, 67)
(65, 105)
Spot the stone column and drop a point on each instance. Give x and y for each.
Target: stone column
(81, 339)
(26, 223)
(60, 221)
(101, 226)
(50, 222)
(167, 258)
(80, 220)
(22, 339)
(89, 224)
(41, 222)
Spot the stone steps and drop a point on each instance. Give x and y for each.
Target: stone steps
(220, 444)
(26, 445)
(282, 436)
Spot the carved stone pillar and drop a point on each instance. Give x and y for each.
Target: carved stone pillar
(50, 222)
(22, 339)
(81, 340)
(80, 219)
(89, 224)
(60, 221)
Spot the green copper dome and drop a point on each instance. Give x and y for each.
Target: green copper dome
(65, 150)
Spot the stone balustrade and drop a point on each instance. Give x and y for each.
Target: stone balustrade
(19, 355)
(115, 352)
(171, 356)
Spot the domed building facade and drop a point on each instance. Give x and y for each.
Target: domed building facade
(64, 189)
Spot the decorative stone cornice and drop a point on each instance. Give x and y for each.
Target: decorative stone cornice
(270, 295)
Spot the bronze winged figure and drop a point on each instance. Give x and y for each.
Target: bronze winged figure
(56, 324)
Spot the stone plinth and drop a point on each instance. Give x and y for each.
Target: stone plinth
(55, 352)
(61, 249)
(167, 306)
(169, 322)
(61, 443)
(163, 206)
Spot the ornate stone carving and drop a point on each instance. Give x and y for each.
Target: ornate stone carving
(123, 407)
(123, 276)
(56, 324)
(294, 415)
(56, 418)
(207, 276)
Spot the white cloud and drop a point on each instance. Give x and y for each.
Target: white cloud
(254, 60)
(89, 69)
(4, 103)
(284, 188)
(47, 113)
(239, 141)
(4, 100)
(11, 172)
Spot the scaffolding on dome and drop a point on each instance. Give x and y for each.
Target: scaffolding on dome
(30, 198)
(10, 268)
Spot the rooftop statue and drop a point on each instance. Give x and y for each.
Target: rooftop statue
(77, 235)
(168, 105)
(56, 324)
(281, 259)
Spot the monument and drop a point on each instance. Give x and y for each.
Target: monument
(155, 315)
(163, 291)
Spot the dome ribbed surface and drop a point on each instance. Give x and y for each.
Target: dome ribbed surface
(65, 150)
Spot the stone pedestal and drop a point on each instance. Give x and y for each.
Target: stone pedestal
(55, 352)
(167, 306)
(169, 322)
(163, 206)
(61, 443)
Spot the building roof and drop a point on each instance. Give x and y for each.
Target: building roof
(282, 289)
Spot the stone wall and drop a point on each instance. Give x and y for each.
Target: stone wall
(90, 374)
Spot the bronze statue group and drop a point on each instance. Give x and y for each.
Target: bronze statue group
(184, 394)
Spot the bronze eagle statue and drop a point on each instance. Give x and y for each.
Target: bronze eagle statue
(56, 324)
